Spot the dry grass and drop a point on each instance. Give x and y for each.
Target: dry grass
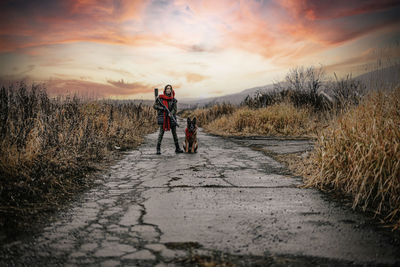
(49, 145)
(359, 155)
(207, 115)
(281, 119)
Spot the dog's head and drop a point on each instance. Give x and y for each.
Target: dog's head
(191, 124)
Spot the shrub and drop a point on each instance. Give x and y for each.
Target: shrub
(264, 99)
(301, 87)
(346, 92)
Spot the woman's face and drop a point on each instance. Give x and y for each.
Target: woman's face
(168, 90)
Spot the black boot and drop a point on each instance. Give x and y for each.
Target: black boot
(178, 149)
(160, 137)
(158, 150)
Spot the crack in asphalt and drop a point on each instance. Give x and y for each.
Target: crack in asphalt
(215, 186)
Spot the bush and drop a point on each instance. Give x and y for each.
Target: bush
(264, 99)
(301, 87)
(346, 92)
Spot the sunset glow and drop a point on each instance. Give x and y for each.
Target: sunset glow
(123, 49)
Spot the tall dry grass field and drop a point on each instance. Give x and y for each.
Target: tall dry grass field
(359, 155)
(47, 146)
(280, 119)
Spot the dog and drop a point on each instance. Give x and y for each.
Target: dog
(191, 143)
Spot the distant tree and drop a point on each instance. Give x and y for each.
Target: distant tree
(307, 79)
(302, 85)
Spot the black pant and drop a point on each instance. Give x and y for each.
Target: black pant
(161, 134)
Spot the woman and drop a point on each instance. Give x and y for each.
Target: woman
(165, 122)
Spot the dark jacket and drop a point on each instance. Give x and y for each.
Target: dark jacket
(172, 106)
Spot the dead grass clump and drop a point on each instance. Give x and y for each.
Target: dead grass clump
(47, 146)
(206, 115)
(279, 119)
(359, 155)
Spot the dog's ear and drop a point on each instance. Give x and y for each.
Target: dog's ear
(188, 120)
(194, 120)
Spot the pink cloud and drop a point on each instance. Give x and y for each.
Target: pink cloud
(335, 22)
(69, 21)
(82, 87)
(317, 9)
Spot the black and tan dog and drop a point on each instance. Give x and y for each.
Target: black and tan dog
(191, 144)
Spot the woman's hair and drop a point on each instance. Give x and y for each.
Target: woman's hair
(165, 88)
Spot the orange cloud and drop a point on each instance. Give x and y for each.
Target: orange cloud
(191, 77)
(195, 77)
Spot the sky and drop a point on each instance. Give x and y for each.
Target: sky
(124, 48)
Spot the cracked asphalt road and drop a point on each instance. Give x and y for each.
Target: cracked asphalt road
(228, 203)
